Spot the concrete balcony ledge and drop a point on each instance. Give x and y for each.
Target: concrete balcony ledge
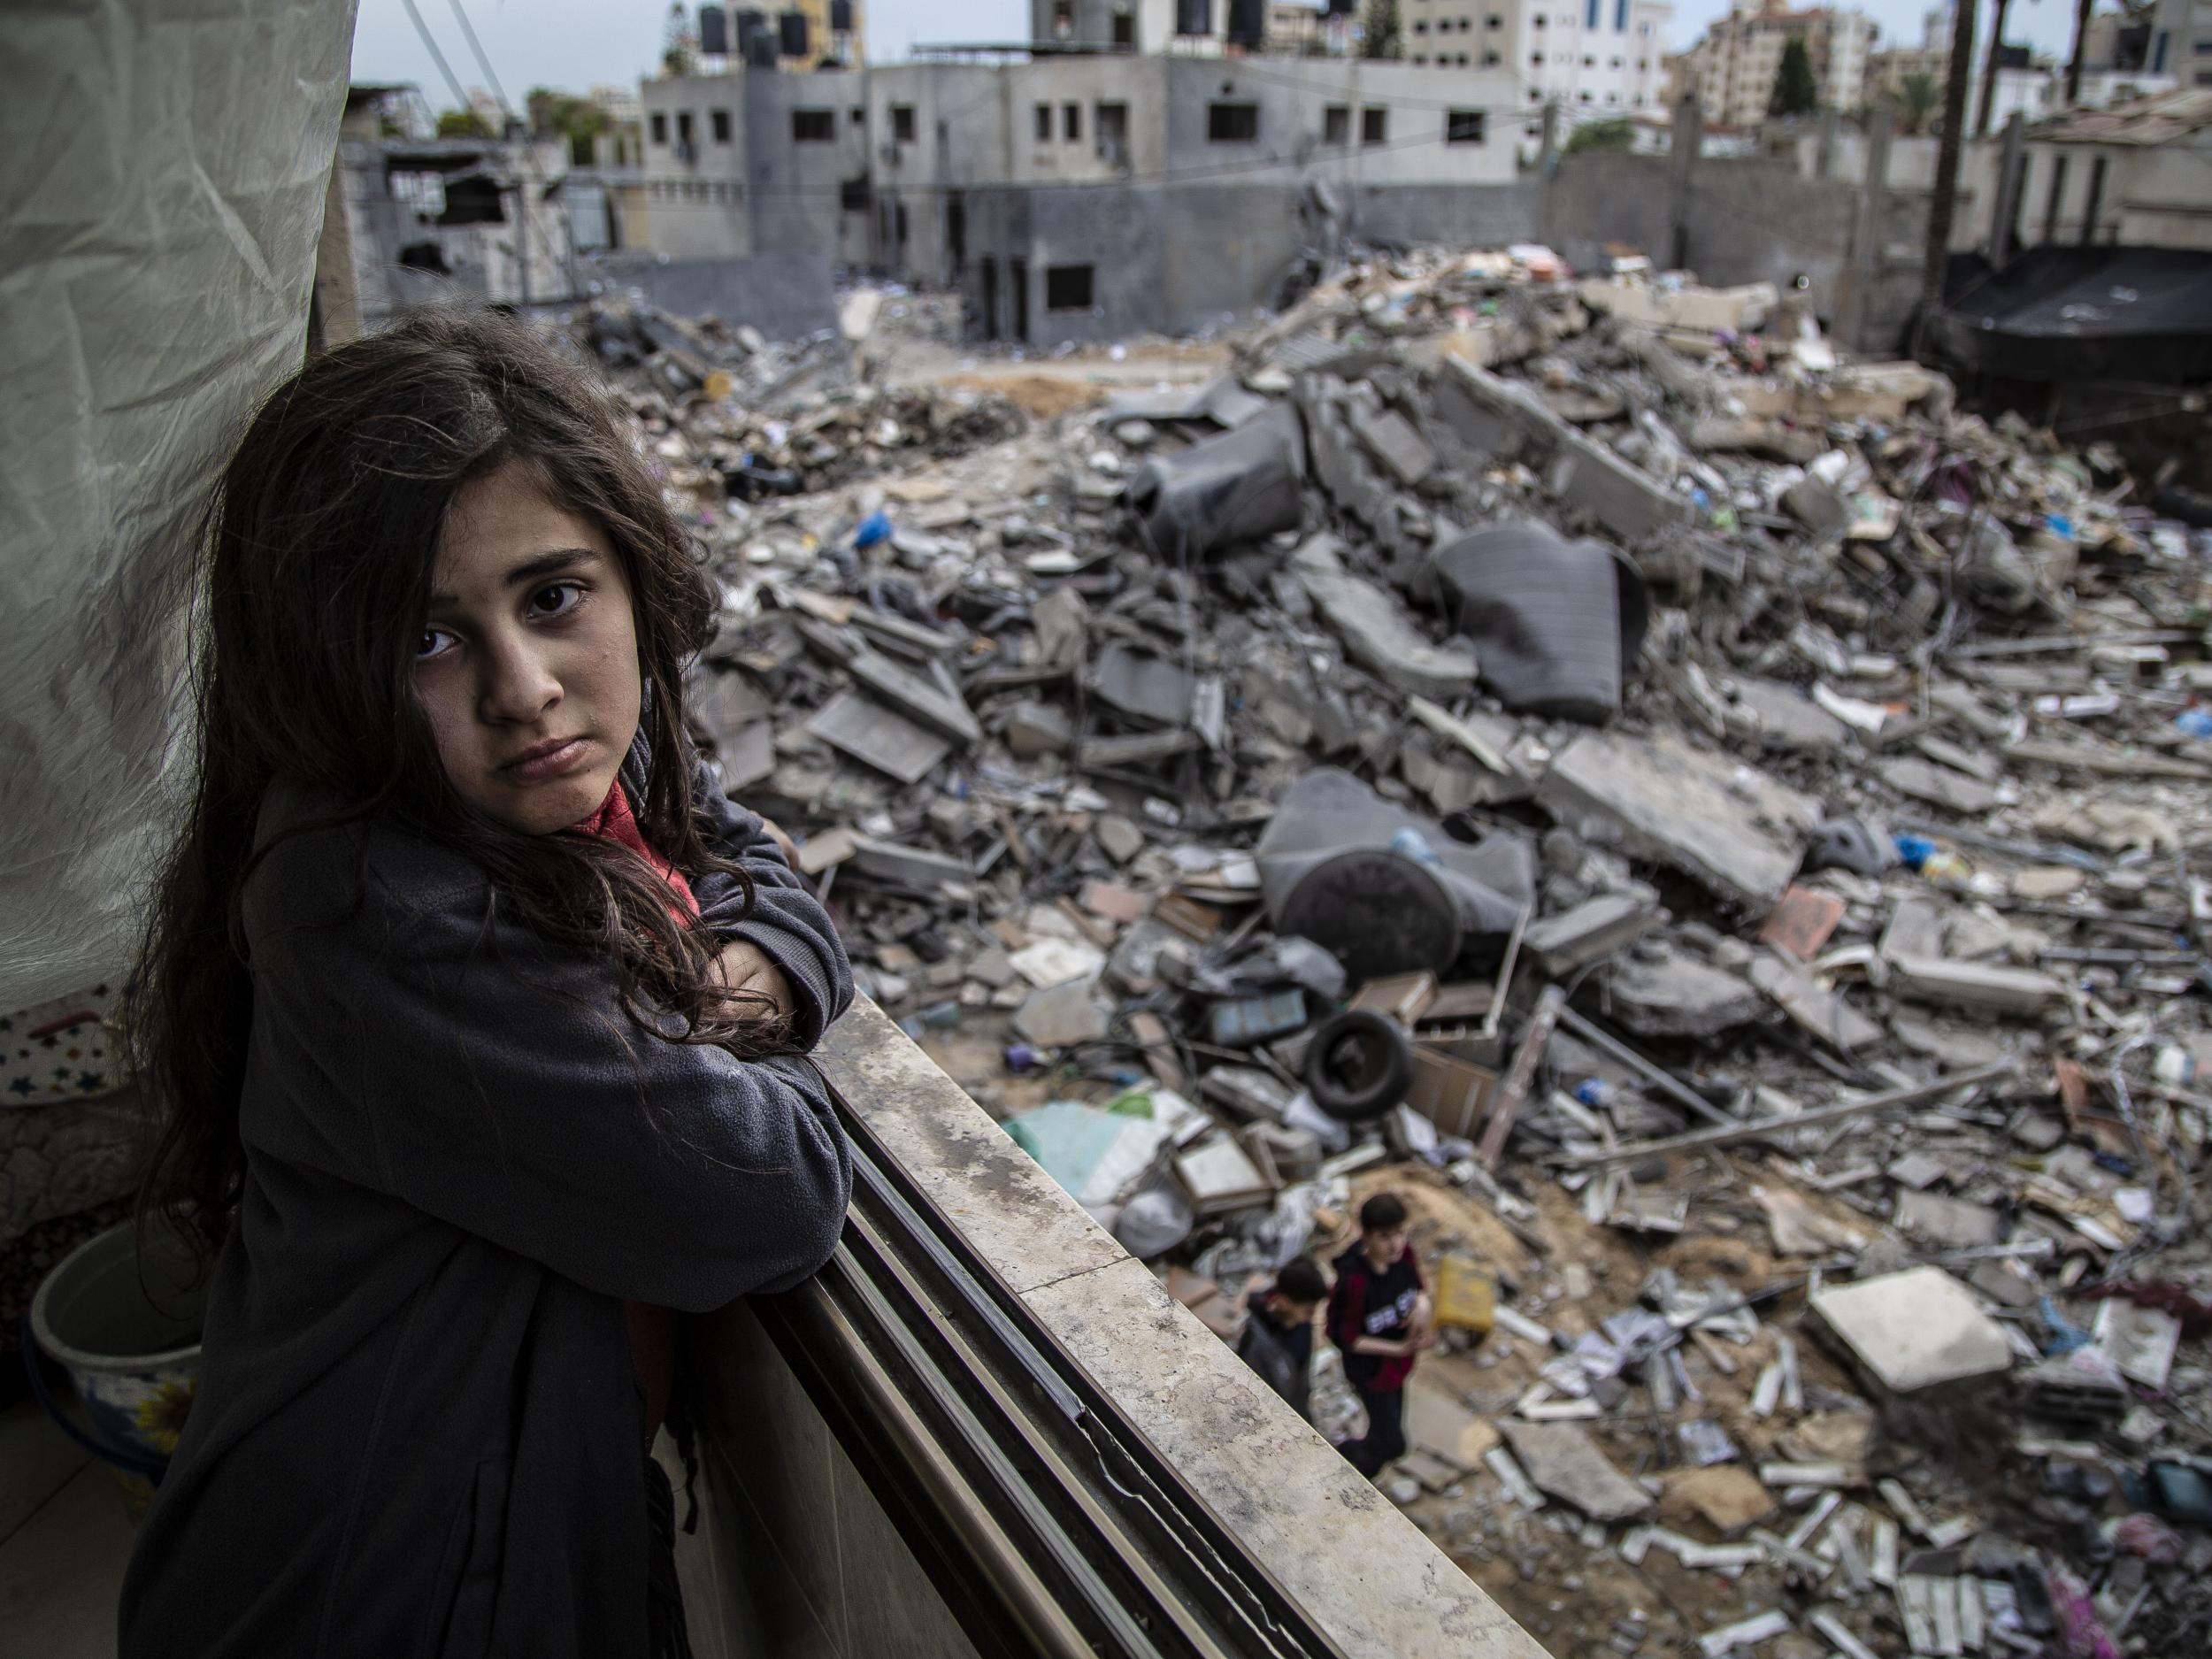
(1367, 1578)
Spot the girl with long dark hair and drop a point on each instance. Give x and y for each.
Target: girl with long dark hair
(475, 1019)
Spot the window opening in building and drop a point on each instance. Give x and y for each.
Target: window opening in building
(859, 116)
(683, 126)
(1374, 125)
(1067, 288)
(660, 127)
(1620, 17)
(1590, 13)
(1336, 125)
(719, 120)
(1464, 127)
(1585, 97)
(1489, 60)
(901, 123)
(813, 127)
(1044, 123)
(1421, 25)
(1072, 123)
(1124, 30)
(1536, 57)
(1113, 128)
(853, 195)
(1233, 123)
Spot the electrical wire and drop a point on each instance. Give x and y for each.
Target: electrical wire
(482, 62)
(460, 98)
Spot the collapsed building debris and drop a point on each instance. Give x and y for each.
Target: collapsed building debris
(1717, 829)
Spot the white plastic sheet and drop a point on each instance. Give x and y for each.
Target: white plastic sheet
(163, 166)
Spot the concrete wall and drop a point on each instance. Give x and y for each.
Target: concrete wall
(696, 202)
(2169, 197)
(1485, 216)
(2155, 198)
(1139, 84)
(1293, 97)
(796, 190)
(1173, 257)
(1596, 197)
(1756, 220)
(959, 142)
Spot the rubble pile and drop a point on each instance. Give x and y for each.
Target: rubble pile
(733, 416)
(1719, 830)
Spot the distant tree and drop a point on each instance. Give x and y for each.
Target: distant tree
(679, 53)
(1380, 36)
(1619, 133)
(464, 124)
(565, 116)
(1918, 98)
(1795, 92)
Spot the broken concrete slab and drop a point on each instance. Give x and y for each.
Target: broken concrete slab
(1979, 985)
(1705, 309)
(1812, 1007)
(1513, 422)
(1038, 728)
(1787, 719)
(1142, 685)
(880, 737)
(1378, 633)
(1669, 993)
(1563, 1460)
(1591, 929)
(1726, 1496)
(1119, 836)
(1913, 1330)
(1725, 824)
(1397, 447)
(920, 700)
(1051, 961)
(1061, 1016)
(2049, 882)
(1953, 1222)
(1939, 786)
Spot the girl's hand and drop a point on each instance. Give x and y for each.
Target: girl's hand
(746, 967)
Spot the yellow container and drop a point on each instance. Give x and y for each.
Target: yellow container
(1466, 1294)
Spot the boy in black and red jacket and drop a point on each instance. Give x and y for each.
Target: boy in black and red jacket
(1379, 1317)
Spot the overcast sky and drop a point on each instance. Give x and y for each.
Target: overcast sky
(574, 44)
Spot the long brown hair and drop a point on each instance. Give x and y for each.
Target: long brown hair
(315, 579)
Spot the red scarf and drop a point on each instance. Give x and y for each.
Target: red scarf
(652, 1329)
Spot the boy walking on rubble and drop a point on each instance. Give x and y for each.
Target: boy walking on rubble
(1278, 1338)
(1379, 1319)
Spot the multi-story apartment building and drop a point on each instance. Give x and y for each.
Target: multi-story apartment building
(1082, 196)
(1733, 69)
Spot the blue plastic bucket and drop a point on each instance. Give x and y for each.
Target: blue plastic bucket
(126, 1326)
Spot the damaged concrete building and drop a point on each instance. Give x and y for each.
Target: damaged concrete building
(412, 221)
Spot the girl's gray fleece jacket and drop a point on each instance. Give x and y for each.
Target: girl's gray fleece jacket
(416, 1430)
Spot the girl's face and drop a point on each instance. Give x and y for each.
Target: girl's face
(527, 667)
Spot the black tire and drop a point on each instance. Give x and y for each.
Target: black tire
(1359, 1064)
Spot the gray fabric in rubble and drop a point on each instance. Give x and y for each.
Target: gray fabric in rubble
(1556, 623)
(1236, 487)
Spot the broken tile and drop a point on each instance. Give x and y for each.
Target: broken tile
(1913, 1330)
(1564, 1460)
